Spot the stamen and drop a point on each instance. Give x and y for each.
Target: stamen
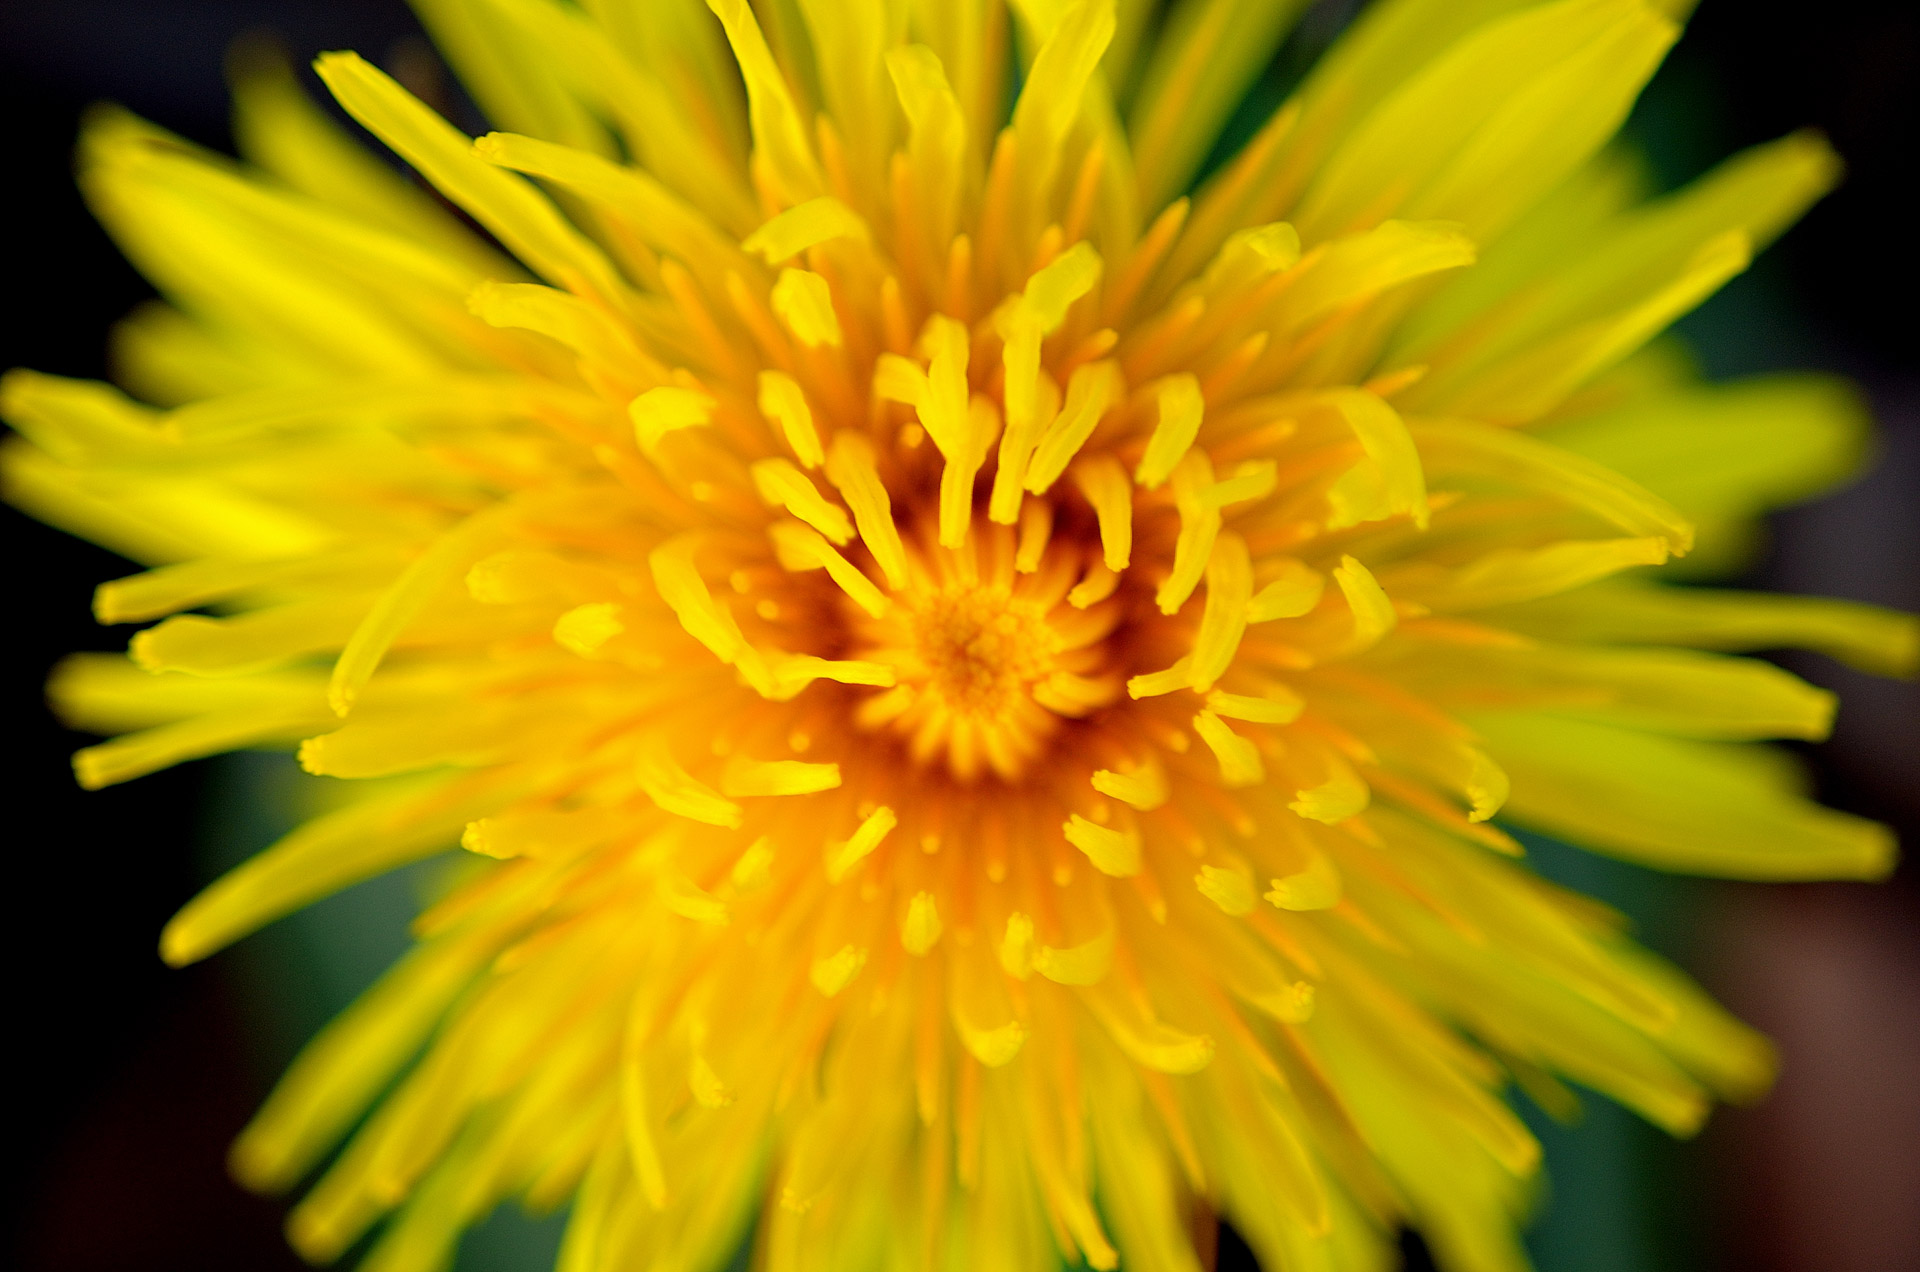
(1254, 479)
(1339, 797)
(1294, 593)
(680, 585)
(996, 209)
(1487, 786)
(146, 751)
(844, 856)
(1389, 481)
(1373, 613)
(791, 673)
(403, 600)
(1199, 524)
(168, 589)
(834, 973)
(679, 792)
(585, 628)
(1084, 964)
(948, 414)
(921, 928)
(667, 409)
(1154, 683)
(1144, 787)
(1231, 890)
(1031, 317)
(1181, 410)
(1094, 390)
(897, 379)
(1239, 759)
(1073, 696)
(745, 778)
(1036, 527)
(688, 900)
(1104, 484)
(1112, 852)
(852, 469)
(937, 132)
(1250, 256)
(1315, 888)
(803, 226)
(660, 217)
(783, 403)
(1051, 101)
(783, 485)
(1279, 706)
(1086, 188)
(708, 1091)
(805, 303)
(1016, 946)
(1097, 586)
(943, 405)
(799, 547)
(722, 347)
(588, 330)
(642, 1148)
(754, 867)
(1224, 621)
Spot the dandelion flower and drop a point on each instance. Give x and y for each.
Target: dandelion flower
(972, 664)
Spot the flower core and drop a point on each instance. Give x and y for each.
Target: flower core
(991, 652)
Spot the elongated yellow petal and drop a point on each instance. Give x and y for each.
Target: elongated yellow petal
(511, 209)
(320, 857)
(1872, 639)
(781, 146)
(937, 129)
(1451, 141)
(1676, 804)
(1199, 67)
(343, 1069)
(1546, 469)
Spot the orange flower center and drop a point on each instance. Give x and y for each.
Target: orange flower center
(990, 656)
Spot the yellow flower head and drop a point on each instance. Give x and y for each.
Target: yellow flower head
(973, 684)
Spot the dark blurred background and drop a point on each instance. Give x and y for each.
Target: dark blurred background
(130, 1079)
